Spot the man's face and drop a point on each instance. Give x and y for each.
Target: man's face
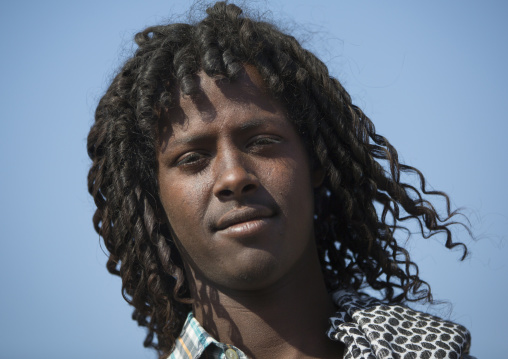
(236, 184)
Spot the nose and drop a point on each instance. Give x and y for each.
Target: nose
(234, 181)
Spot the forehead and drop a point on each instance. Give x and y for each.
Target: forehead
(248, 90)
(246, 95)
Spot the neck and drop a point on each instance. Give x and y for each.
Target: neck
(288, 319)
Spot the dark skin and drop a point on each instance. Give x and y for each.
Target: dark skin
(237, 186)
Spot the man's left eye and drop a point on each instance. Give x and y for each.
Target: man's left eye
(264, 140)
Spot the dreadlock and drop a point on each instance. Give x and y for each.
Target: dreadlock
(358, 208)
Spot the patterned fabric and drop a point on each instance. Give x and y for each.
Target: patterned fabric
(371, 329)
(368, 328)
(194, 342)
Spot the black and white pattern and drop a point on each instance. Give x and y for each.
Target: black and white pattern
(371, 330)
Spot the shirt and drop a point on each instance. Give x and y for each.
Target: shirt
(369, 329)
(194, 339)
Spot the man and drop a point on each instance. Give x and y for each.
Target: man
(235, 185)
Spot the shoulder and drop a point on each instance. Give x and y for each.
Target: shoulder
(371, 329)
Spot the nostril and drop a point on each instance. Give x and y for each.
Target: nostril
(225, 193)
(235, 182)
(249, 187)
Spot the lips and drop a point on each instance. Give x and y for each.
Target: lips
(243, 215)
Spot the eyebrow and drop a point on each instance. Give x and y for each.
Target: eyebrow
(189, 140)
(256, 123)
(244, 127)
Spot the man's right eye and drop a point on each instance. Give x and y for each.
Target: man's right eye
(190, 159)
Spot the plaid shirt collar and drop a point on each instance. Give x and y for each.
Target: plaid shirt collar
(194, 342)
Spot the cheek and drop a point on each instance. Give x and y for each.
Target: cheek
(292, 188)
(178, 193)
(185, 204)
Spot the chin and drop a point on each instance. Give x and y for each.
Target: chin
(256, 275)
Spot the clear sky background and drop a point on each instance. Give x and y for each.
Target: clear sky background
(431, 74)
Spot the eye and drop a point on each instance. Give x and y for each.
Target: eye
(264, 140)
(191, 159)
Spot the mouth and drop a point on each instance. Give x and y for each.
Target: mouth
(244, 218)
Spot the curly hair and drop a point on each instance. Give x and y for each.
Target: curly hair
(358, 209)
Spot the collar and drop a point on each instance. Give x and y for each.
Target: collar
(369, 329)
(194, 341)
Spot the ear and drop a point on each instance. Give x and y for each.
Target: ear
(318, 176)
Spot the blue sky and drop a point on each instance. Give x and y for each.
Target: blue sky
(431, 75)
